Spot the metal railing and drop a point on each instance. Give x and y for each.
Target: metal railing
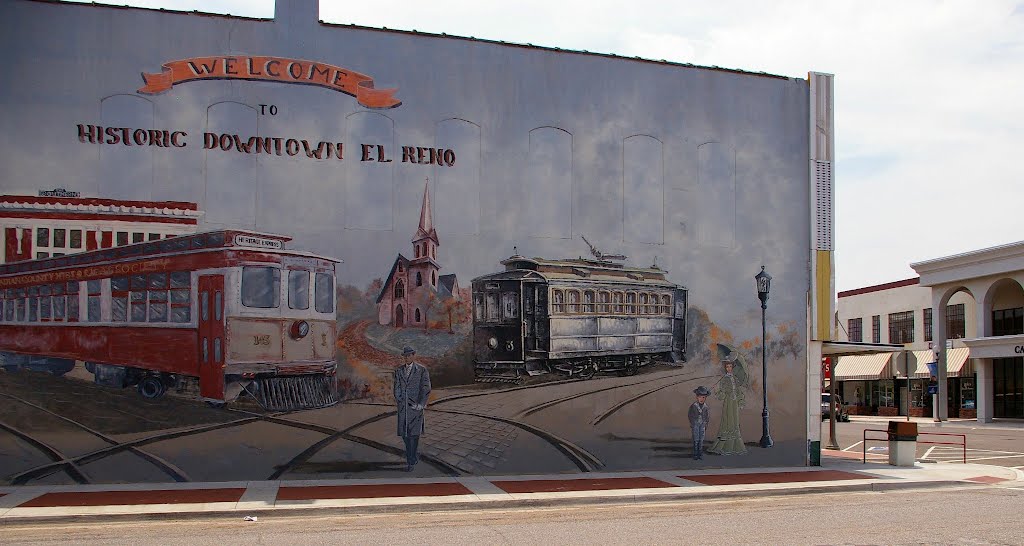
(865, 439)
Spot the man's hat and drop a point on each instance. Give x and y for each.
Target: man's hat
(408, 351)
(702, 391)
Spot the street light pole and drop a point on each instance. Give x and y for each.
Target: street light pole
(764, 281)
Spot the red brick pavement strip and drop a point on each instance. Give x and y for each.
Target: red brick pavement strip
(776, 477)
(987, 479)
(599, 484)
(372, 491)
(108, 498)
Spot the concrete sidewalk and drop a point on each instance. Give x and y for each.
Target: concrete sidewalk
(839, 472)
(997, 424)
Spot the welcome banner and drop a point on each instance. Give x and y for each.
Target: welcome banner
(278, 69)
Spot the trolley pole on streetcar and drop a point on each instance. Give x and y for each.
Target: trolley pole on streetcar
(764, 281)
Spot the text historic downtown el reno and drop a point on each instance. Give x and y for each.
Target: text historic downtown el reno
(162, 138)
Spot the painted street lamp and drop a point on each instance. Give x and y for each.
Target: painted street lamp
(764, 281)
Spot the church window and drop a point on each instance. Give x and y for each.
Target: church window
(419, 279)
(433, 278)
(419, 317)
(399, 290)
(433, 252)
(416, 249)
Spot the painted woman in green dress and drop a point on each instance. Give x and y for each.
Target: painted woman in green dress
(730, 390)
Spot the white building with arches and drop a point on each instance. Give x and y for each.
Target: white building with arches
(994, 279)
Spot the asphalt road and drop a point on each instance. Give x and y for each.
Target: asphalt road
(972, 515)
(995, 444)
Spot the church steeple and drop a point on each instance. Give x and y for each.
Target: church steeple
(425, 242)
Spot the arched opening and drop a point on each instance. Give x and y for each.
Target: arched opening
(399, 290)
(419, 279)
(433, 279)
(419, 317)
(399, 316)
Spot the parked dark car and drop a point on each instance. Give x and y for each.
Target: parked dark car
(841, 412)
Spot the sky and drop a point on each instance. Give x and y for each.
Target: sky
(928, 96)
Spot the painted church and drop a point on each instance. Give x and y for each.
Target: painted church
(413, 284)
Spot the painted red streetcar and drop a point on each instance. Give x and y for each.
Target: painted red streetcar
(224, 312)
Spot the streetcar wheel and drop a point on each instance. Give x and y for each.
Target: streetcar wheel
(588, 372)
(631, 367)
(151, 387)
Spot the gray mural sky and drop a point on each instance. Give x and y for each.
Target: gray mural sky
(928, 112)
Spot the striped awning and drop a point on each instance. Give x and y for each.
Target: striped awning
(863, 367)
(955, 360)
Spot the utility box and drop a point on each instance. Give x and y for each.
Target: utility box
(902, 443)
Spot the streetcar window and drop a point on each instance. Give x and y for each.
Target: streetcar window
(324, 293)
(76, 238)
(33, 308)
(509, 305)
(122, 238)
(218, 306)
(617, 299)
(21, 305)
(42, 255)
(138, 306)
(666, 304)
(492, 306)
(10, 305)
(158, 306)
(72, 302)
(44, 303)
(574, 301)
(631, 303)
(119, 308)
(43, 237)
(58, 238)
(93, 288)
(137, 237)
(588, 301)
(261, 287)
(644, 308)
(58, 307)
(181, 296)
(154, 236)
(602, 302)
(298, 289)
(557, 302)
(478, 307)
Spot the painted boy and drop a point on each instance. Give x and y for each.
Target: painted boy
(699, 415)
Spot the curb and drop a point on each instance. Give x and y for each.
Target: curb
(485, 505)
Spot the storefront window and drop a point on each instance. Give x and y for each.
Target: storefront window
(967, 393)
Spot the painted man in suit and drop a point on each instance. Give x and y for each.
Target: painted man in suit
(699, 415)
(412, 388)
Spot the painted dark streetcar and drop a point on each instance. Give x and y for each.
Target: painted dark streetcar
(577, 317)
(222, 313)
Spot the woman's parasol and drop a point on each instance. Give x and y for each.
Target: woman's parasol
(739, 364)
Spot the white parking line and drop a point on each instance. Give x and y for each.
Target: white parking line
(853, 446)
(969, 458)
(929, 452)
